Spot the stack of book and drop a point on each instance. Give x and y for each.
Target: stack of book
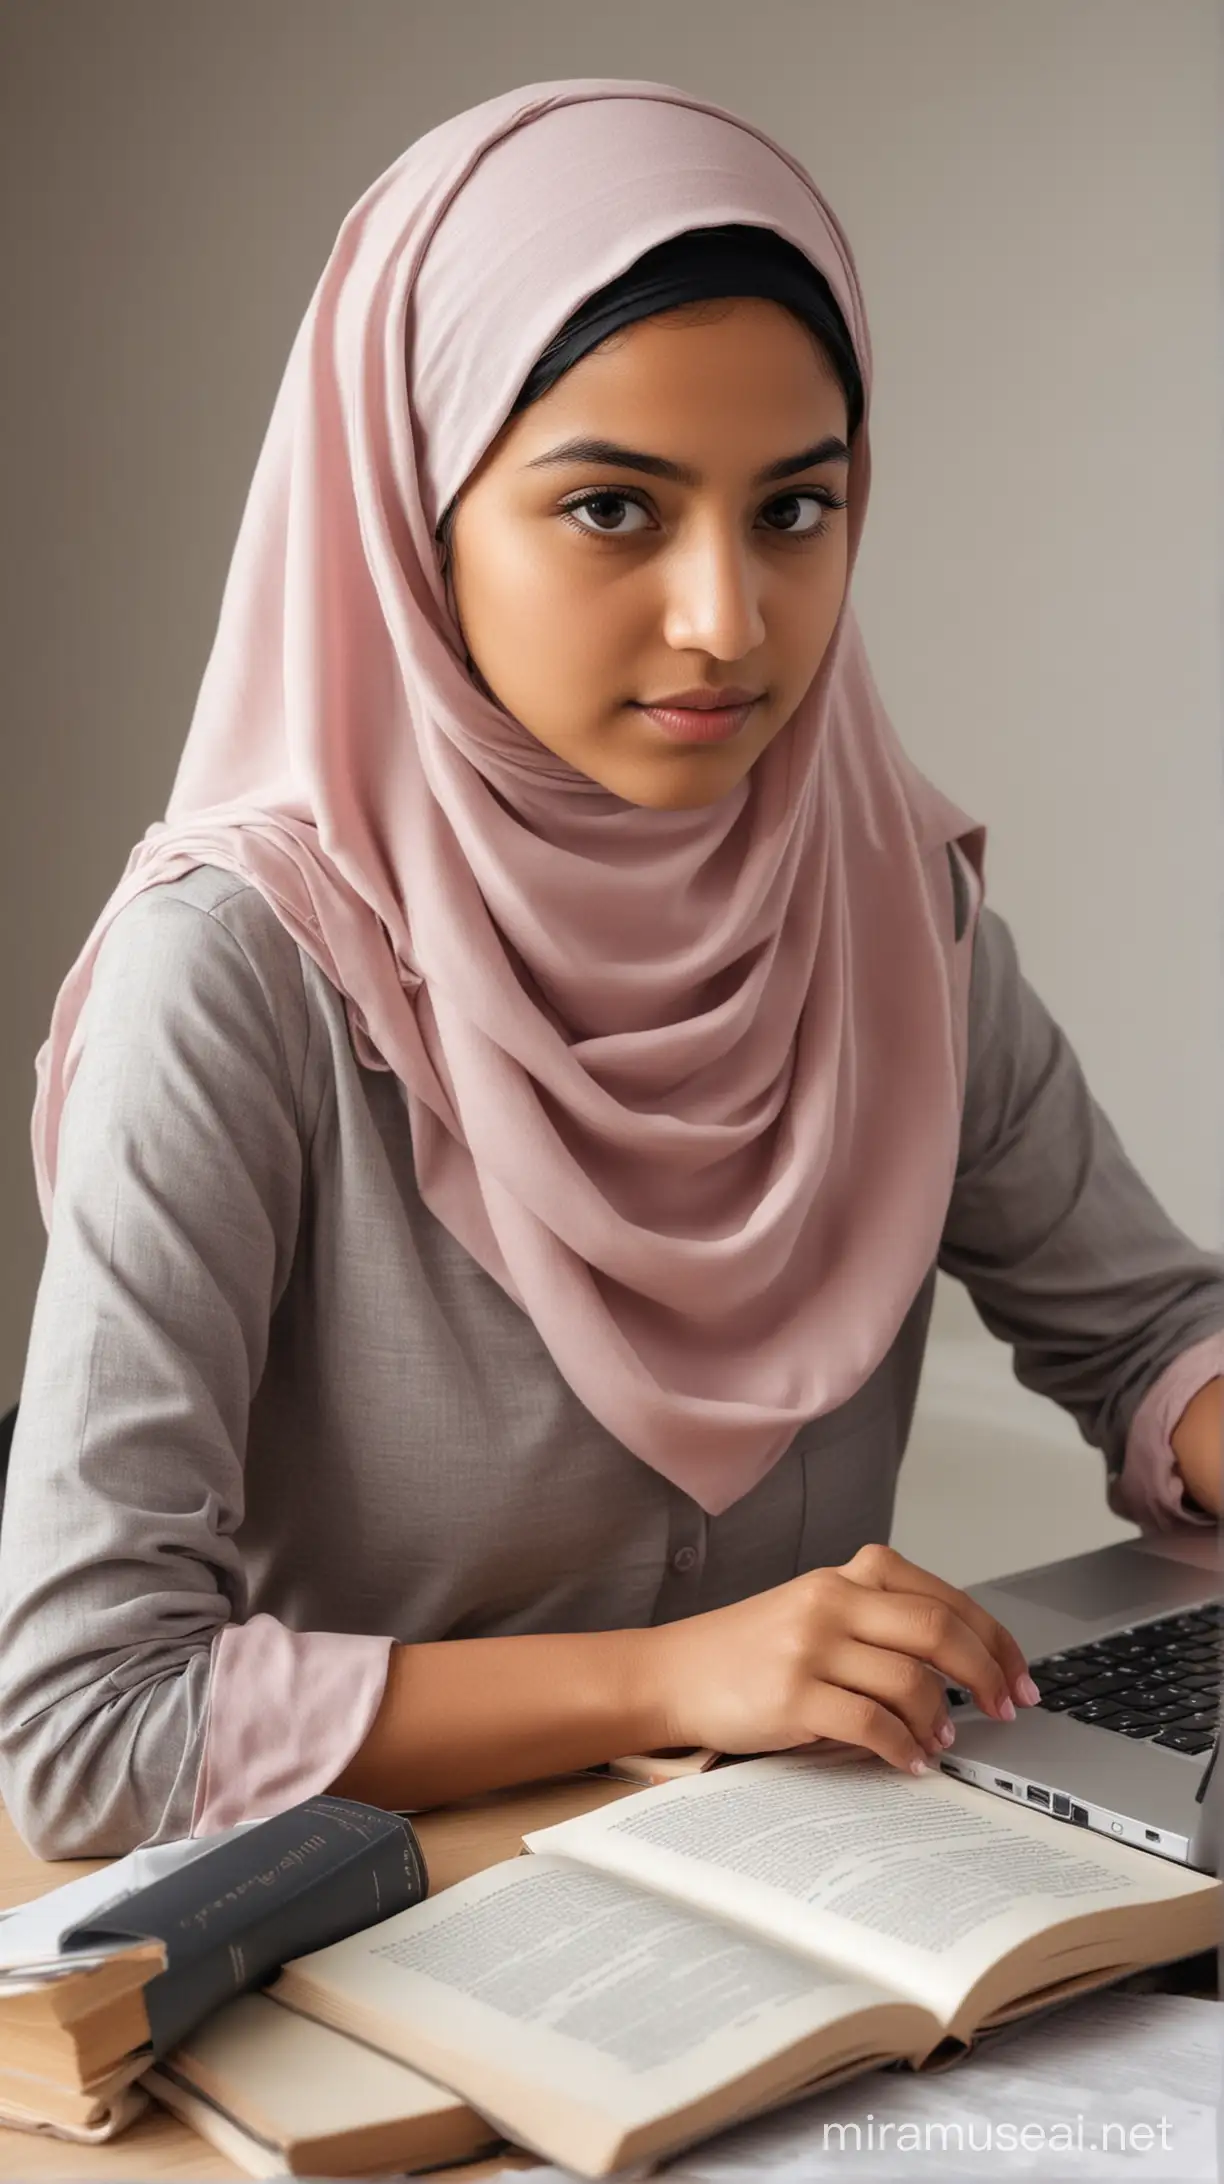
(73, 2038)
(120, 1971)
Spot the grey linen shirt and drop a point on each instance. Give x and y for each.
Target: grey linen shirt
(271, 1405)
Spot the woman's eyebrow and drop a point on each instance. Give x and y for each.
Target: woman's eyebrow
(830, 450)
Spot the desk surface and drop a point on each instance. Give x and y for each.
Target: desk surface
(457, 1841)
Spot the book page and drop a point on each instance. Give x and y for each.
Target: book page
(537, 1980)
(917, 1883)
(125, 2109)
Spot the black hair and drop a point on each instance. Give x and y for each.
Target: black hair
(702, 264)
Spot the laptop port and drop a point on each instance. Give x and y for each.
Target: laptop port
(1002, 1783)
(1062, 1806)
(1037, 1797)
(1079, 1813)
(1152, 1834)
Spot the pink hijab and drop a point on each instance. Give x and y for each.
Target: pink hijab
(687, 1084)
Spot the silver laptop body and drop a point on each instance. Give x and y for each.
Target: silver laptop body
(1123, 1784)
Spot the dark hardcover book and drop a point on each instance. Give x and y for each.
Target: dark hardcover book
(231, 1918)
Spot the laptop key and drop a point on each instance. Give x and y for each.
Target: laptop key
(1096, 1687)
(1185, 1740)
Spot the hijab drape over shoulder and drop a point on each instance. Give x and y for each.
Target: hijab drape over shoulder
(687, 1084)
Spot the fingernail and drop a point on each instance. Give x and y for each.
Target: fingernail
(946, 1734)
(1027, 1692)
(919, 1766)
(1007, 1711)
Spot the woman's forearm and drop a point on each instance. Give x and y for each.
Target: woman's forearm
(473, 1714)
(816, 1656)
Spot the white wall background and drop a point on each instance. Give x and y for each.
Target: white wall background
(1033, 193)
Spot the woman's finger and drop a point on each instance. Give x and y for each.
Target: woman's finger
(887, 1571)
(927, 1627)
(851, 1718)
(911, 1690)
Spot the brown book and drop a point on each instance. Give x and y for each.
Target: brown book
(80, 2025)
(702, 1951)
(31, 2102)
(671, 1765)
(281, 2095)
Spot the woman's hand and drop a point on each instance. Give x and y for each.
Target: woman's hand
(858, 1653)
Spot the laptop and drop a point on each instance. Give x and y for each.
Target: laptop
(1124, 1645)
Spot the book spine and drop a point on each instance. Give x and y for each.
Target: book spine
(230, 1919)
(369, 1885)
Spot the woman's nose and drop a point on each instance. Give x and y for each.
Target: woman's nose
(714, 596)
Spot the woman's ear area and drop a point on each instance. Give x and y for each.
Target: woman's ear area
(444, 537)
(445, 547)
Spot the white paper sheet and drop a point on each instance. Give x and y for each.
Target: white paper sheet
(1118, 2085)
(31, 1934)
(1116, 2058)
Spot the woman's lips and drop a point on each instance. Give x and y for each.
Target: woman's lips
(715, 724)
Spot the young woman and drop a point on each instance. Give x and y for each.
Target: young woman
(498, 1140)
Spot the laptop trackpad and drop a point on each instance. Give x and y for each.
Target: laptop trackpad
(1096, 1585)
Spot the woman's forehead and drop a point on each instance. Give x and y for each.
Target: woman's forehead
(739, 390)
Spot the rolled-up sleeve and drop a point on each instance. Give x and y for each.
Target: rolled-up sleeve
(172, 1233)
(1149, 1489)
(1110, 1309)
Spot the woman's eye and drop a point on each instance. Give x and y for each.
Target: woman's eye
(600, 504)
(812, 528)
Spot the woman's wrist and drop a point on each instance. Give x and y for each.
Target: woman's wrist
(460, 1716)
(649, 1690)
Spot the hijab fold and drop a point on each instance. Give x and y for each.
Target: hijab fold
(686, 1084)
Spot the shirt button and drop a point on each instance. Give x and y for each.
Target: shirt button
(685, 1558)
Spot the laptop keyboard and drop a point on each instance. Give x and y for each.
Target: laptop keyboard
(1156, 1682)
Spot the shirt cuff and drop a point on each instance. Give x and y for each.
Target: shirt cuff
(1148, 1490)
(287, 1709)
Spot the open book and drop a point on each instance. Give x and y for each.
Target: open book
(709, 1949)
